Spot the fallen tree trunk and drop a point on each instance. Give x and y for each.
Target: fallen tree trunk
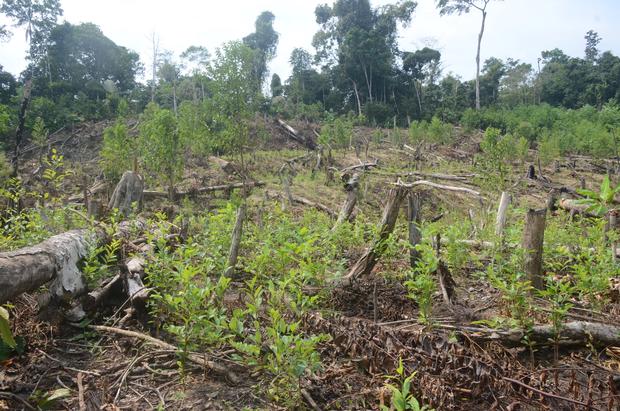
(575, 207)
(55, 259)
(363, 166)
(203, 190)
(303, 201)
(570, 333)
(294, 135)
(418, 183)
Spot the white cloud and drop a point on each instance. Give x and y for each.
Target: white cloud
(515, 28)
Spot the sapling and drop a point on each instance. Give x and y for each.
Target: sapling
(421, 284)
(559, 292)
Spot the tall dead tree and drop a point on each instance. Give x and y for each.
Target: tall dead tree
(533, 237)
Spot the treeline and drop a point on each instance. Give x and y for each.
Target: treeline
(356, 70)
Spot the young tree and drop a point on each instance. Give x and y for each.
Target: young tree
(464, 6)
(235, 95)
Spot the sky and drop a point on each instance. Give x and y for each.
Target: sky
(520, 29)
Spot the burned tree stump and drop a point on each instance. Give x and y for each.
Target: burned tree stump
(533, 237)
(127, 192)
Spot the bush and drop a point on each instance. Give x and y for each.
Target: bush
(118, 150)
(378, 113)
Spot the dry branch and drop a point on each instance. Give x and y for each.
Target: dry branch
(195, 358)
(570, 333)
(438, 186)
(303, 201)
(363, 166)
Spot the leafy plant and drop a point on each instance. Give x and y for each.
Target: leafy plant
(421, 284)
(600, 203)
(401, 397)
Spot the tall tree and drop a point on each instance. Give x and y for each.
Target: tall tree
(39, 18)
(276, 85)
(421, 65)
(592, 41)
(362, 44)
(264, 41)
(464, 6)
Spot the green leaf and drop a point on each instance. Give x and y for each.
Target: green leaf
(606, 193)
(5, 329)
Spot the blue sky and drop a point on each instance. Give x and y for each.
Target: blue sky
(519, 29)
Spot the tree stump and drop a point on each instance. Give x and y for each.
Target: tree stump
(127, 192)
(533, 237)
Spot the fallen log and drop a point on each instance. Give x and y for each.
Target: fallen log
(363, 166)
(302, 201)
(464, 190)
(55, 259)
(148, 194)
(575, 207)
(294, 135)
(199, 359)
(463, 178)
(570, 333)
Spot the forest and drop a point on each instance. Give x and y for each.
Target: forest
(191, 231)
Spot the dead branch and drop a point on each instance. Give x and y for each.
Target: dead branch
(303, 201)
(198, 359)
(438, 186)
(203, 190)
(363, 166)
